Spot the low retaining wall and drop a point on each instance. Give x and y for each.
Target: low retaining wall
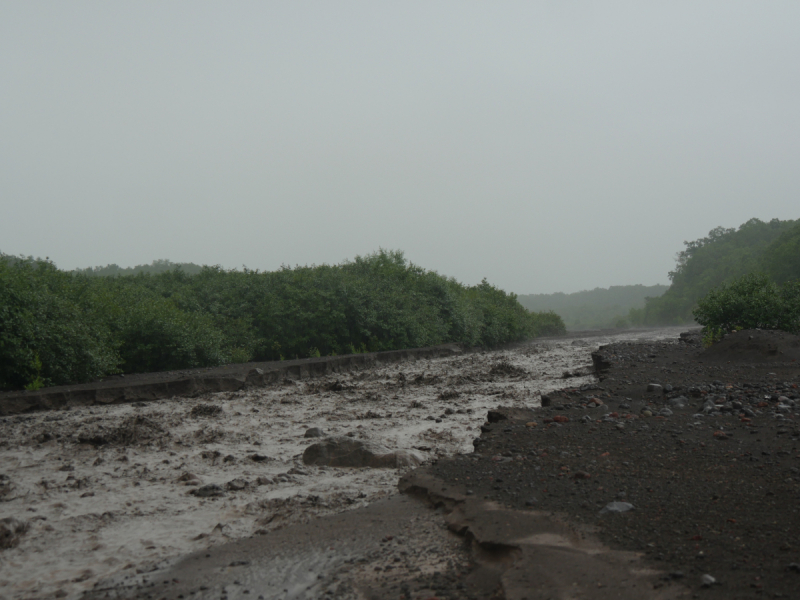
(230, 378)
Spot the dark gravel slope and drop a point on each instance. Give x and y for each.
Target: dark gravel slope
(708, 457)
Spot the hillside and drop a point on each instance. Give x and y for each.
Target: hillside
(724, 255)
(594, 309)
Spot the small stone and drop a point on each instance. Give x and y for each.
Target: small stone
(11, 531)
(647, 413)
(208, 491)
(665, 412)
(314, 432)
(236, 485)
(655, 387)
(616, 507)
(678, 402)
(707, 580)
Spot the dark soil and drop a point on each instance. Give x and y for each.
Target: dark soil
(715, 485)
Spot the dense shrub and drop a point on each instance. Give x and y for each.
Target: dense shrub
(82, 326)
(753, 301)
(46, 336)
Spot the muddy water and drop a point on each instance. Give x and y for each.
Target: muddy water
(112, 491)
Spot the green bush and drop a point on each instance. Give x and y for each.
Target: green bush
(46, 336)
(753, 301)
(84, 326)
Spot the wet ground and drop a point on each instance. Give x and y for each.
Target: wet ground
(108, 494)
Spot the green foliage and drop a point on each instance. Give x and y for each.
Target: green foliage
(711, 335)
(46, 336)
(781, 259)
(154, 268)
(753, 301)
(721, 257)
(597, 308)
(239, 355)
(37, 383)
(85, 326)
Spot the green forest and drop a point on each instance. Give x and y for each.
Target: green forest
(725, 255)
(59, 327)
(599, 308)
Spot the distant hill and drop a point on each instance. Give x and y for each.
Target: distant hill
(154, 268)
(594, 309)
(724, 255)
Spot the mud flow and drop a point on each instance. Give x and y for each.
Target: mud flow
(98, 495)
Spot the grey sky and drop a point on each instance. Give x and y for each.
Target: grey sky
(547, 146)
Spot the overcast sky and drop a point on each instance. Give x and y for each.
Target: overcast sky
(546, 146)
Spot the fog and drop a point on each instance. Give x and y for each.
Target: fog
(546, 146)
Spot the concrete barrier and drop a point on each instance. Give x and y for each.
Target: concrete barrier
(193, 382)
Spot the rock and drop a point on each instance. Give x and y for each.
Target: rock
(707, 580)
(208, 491)
(655, 387)
(793, 567)
(616, 507)
(346, 452)
(206, 410)
(258, 457)
(236, 485)
(314, 432)
(679, 402)
(261, 480)
(7, 488)
(11, 531)
(189, 479)
(665, 412)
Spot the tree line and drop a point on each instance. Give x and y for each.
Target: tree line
(59, 327)
(771, 249)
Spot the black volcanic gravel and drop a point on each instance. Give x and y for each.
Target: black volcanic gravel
(715, 485)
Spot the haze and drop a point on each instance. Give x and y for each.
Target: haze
(547, 146)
